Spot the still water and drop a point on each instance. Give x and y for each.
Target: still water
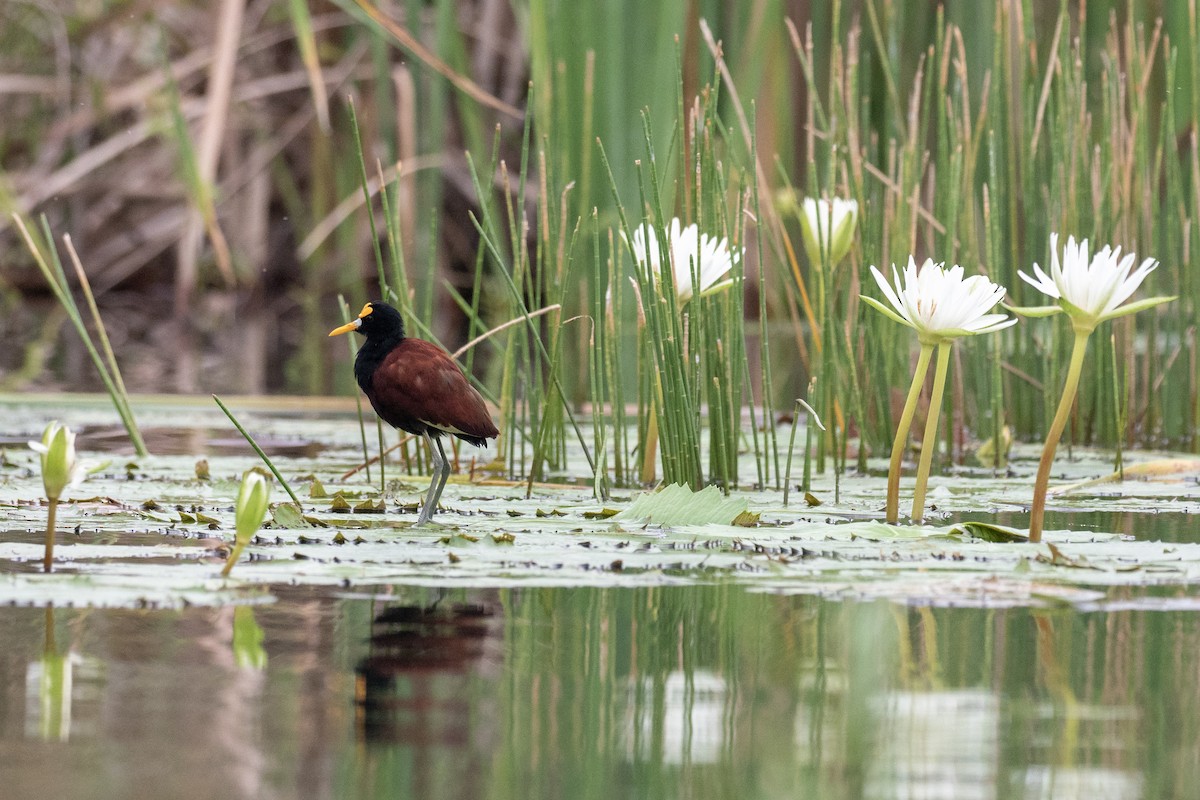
(697, 692)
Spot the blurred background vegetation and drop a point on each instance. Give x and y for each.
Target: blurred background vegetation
(202, 157)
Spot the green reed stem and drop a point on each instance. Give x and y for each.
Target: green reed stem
(901, 440)
(813, 419)
(1038, 511)
(787, 478)
(929, 442)
(362, 427)
(999, 453)
(383, 455)
(57, 279)
(122, 398)
(537, 340)
(1120, 413)
(384, 288)
(254, 445)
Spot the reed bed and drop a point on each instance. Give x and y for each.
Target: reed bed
(227, 174)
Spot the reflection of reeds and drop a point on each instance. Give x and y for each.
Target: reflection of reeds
(110, 373)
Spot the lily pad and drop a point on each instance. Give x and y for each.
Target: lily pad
(679, 505)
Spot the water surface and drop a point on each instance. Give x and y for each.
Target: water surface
(704, 692)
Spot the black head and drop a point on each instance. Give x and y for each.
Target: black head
(377, 321)
(384, 328)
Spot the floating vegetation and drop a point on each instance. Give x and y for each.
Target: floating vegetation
(162, 537)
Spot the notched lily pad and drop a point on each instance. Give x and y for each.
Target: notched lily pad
(677, 505)
(875, 531)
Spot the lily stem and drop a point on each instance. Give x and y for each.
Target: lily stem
(48, 561)
(929, 442)
(1042, 483)
(234, 555)
(910, 406)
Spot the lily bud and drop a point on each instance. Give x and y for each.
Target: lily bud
(60, 467)
(251, 505)
(827, 227)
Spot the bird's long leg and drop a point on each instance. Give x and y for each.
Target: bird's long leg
(445, 472)
(435, 481)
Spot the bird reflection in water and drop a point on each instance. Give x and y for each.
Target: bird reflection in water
(415, 685)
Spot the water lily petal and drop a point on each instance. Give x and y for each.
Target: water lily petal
(941, 303)
(1091, 290)
(698, 261)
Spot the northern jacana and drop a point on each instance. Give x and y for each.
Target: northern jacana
(417, 387)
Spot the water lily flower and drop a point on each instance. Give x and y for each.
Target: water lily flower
(61, 470)
(693, 254)
(939, 303)
(827, 227)
(941, 306)
(250, 509)
(1090, 292)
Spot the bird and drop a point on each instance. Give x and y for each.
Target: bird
(417, 387)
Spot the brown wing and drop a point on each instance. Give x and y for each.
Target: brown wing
(418, 386)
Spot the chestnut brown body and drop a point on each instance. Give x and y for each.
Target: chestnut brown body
(418, 388)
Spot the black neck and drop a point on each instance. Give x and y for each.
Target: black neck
(372, 354)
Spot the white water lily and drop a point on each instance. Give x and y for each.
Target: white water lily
(1090, 291)
(827, 227)
(939, 303)
(691, 253)
(941, 306)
